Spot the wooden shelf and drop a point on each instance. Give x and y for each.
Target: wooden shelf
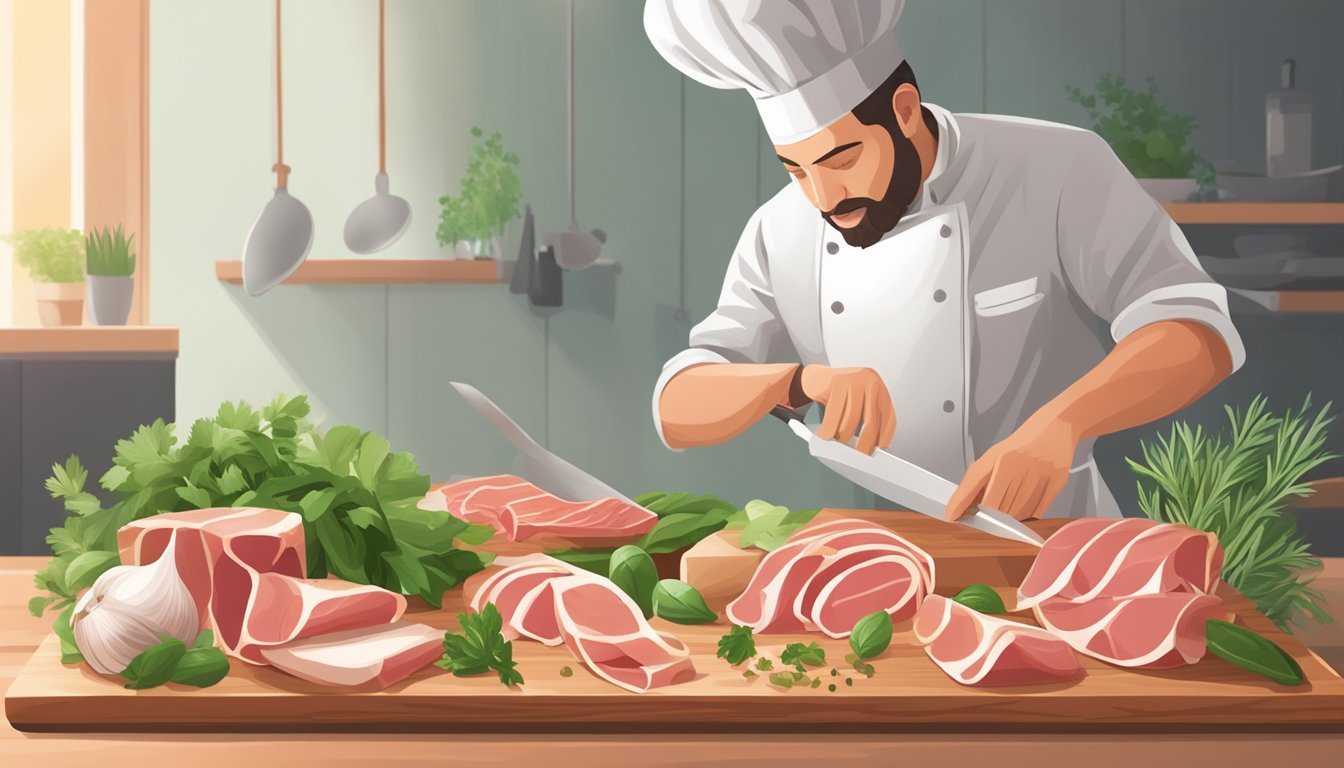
(1293, 302)
(377, 271)
(89, 341)
(1329, 494)
(1256, 213)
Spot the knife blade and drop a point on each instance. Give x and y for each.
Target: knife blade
(896, 479)
(543, 468)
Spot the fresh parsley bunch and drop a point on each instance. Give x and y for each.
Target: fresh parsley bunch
(356, 496)
(480, 647)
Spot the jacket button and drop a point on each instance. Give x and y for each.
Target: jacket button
(946, 231)
(832, 248)
(940, 295)
(948, 406)
(837, 307)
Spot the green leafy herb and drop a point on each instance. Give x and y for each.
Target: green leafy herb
(1236, 487)
(203, 664)
(489, 196)
(849, 681)
(831, 687)
(356, 496)
(861, 666)
(50, 254)
(593, 560)
(816, 682)
(69, 651)
(480, 647)
(566, 672)
(156, 665)
(834, 672)
(982, 598)
(737, 646)
(1250, 651)
(764, 664)
(679, 602)
(108, 253)
(871, 635)
(767, 526)
(634, 572)
(748, 674)
(787, 679)
(800, 656)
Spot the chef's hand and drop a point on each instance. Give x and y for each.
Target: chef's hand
(1021, 475)
(855, 399)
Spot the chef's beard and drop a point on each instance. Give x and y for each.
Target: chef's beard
(882, 216)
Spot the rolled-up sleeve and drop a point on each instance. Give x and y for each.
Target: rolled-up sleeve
(1124, 256)
(745, 326)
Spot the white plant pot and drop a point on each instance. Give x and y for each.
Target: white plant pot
(1170, 190)
(110, 298)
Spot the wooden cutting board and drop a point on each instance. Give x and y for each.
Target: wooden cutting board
(907, 692)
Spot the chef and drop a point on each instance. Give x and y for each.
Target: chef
(936, 281)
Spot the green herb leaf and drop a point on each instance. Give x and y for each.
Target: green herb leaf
(37, 605)
(748, 674)
(782, 679)
(1250, 651)
(681, 529)
(764, 664)
(871, 635)
(155, 666)
(679, 602)
(798, 654)
(480, 647)
(634, 572)
(86, 568)
(70, 653)
(201, 667)
(982, 598)
(767, 526)
(593, 560)
(566, 672)
(206, 639)
(737, 646)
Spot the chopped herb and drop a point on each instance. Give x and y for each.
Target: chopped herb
(831, 687)
(835, 672)
(566, 672)
(737, 646)
(764, 664)
(782, 679)
(480, 648)
(798, 655)
(849, 681)
(749, 674)
(816, 682)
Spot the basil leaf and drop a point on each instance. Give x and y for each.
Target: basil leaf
(201, 667)
(679, 602)
(155, 666)
(634, 572)
(799, 655)
(676, 530)
(782, 679)
(737, 646)
(70, 653)
(595, 560)
(204, 640)
(982, 598)
(871, 635)
(1252, 652)
(86, 568)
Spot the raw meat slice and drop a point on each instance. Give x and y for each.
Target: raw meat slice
(1098, 557)
(605, 518)
(1148, 631)
(282, 609)
(261, 540)
(480, 499)
(605, 630)
(975, 649)
(784, 594)
(519, 591)
(370, 659)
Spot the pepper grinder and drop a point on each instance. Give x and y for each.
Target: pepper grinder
(1287, 127)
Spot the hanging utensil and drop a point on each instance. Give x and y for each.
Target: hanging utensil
(574, 249)
(283, 234)
(379, 221)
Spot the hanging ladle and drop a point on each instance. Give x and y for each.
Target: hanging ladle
(574, 248)
(283, 234)
(379, 221)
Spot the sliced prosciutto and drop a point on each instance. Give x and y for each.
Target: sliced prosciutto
(283, 609)
(604, 628)
(360, 658)
(1148, 631)
(975, 649)
(520, 510)
(1131, 592)
(520, 591)
(827, 577)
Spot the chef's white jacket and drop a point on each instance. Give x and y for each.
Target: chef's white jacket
(981, 305)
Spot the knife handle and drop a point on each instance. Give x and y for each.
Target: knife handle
(786, 414)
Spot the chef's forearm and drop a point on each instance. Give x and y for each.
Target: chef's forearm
(1154, 372)
(709, 403)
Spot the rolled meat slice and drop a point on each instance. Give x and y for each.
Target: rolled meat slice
(372, 658)
(975, 649)
(1148, 631)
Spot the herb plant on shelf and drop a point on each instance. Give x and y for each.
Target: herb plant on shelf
(1236, 487)
(111, 283)
(54, 259)
(488, 198)
(1149, 137)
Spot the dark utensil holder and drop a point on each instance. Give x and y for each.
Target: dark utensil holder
(546, 288)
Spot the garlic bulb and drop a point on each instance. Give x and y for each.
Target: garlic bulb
(127, 608)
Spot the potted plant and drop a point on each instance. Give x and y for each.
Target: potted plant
(54, 259)
(111, 282)
(473, 221)
(1149, 137)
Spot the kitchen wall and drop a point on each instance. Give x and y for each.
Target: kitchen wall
(670, 169)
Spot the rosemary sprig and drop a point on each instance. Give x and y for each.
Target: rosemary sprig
(1236, 487)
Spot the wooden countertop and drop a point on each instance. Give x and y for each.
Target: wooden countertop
(20, 634)
(376, 271)
(1248, 213)
(89, 342)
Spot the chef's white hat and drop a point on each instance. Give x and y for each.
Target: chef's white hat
(805, 62)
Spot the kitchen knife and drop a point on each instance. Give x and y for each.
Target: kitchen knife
(543, 468)
(904, 483)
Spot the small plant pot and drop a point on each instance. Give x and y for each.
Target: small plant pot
(1170, 190)
(110, 298)
(60, 303)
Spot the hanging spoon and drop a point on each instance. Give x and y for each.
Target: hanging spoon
(379, 221)
(283, 234)
(574, 248)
